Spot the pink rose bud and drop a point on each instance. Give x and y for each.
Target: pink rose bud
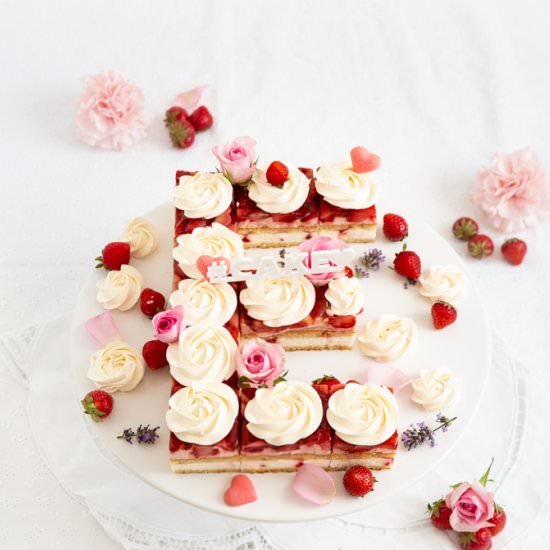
(261, 362)
(472, 506)
(237, 158)
(320, 243)
(168, 324)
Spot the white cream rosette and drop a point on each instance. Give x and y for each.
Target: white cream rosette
(345, 296)
(120, 289)
(442, 283)
(436, 389)
(142, 237)
(204, 195)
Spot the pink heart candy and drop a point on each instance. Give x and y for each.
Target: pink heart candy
(241, 491)
(363, 160)
(204, 262)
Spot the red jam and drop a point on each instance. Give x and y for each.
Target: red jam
(328, 213)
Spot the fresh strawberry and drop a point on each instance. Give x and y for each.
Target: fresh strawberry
(98, 404)
(182, 134)
(480, 246)
(440, 514)
(498, 520)
(277, 173)
(465, 228)
(154, 353)
(151, 302)
(480, 540)
(175, 114)
(327, 380)
(358, 481)
(395, 227)
(443, 315)
(514, 250)
(114, 255)
(408, 264)
(348, 272)
(201, 119)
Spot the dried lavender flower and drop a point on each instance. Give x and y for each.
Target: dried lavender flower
(420, 433)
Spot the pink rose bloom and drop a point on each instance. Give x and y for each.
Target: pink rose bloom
(320, 243)
(514, 192)
(261, 362)
(472, 507)
(237, 158)
(110, 112)
(168, 324)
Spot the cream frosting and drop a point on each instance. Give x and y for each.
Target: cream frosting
(120, 289)
(202, 352)
(341, 186)
(279, 200)
(444, 283)
(116, 367)
(211, 241)
(363, 414)
(285, 413)
(142, 237)
(387, 338)
(204, 302)
(436, 389)
(278, 301)
(204, 195)
(345, 296)
(203, 413)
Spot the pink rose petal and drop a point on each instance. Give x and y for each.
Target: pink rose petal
(102, 328)
(190, 99)
(313, 484)
(386, 375)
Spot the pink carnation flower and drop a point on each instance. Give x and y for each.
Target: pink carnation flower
(514, 192)
(110, 112)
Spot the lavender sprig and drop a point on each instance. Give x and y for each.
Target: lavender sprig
(420, 432)
(143, 434)
(371, 260)
(128, 435)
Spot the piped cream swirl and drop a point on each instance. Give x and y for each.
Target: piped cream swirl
(436, 389)
(345, 296)
(204, 195)
(444, 283)
(142, 237)
(120, 289)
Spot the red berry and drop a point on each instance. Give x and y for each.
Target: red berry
(407, 263)
(465, 228)
(201, 119)
(395, 227)
(498, 520)
(480, 246)
(98, 404)
(358, 481)
(151, 302)
(440, 514)
(114, 255)
(480, 540)
(174, 114)
(277, 173)
(154, 353)
(514, 250)
(327, 380)
(443, 315)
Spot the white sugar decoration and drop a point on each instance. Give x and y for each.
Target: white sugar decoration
(291, 265)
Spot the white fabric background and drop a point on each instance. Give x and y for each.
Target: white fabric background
(435, 88)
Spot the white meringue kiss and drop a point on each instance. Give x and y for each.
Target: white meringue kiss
(142, 237)
(345, 296)
(444, 283)
(436, 389)
(120, 289)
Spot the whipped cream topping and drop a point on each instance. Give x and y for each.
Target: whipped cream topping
(285, 413)
(363, 414)
(345, 296)
(387, 338)
(203, 413)
(204, 195)
(120, 289)
(444, 283)
(436, 389)
(142, 237)
(279, 200)
(342, 187)
(202, 352)
(278, 301)
(204, 302)
(211, 241)
(116, 367)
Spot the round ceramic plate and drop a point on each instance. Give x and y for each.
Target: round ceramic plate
(463, 346)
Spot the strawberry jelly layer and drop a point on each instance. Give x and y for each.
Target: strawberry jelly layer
(228, 446)
(250, 216)
(316, 443)
(318, 319)
(328, 213)
(186, 225)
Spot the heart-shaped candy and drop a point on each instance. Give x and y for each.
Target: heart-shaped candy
(241, 491)
(363, 160)
(204, 262)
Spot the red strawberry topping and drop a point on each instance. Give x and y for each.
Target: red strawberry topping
(277, 173)
(465, 228)
(395, 227)
(151, 302)
(514, 250)
(480, 246)
(154, 353)
(201, 119)
(114, 255)
(98, 404)
(443, 315)
(358, 481)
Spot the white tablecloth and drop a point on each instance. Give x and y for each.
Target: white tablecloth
(435, 88)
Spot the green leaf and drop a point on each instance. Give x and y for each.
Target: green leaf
(485, 477)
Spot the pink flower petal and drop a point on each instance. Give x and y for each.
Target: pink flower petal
(190, 99)
(313, 484)
(386, 375)
(102, 328)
